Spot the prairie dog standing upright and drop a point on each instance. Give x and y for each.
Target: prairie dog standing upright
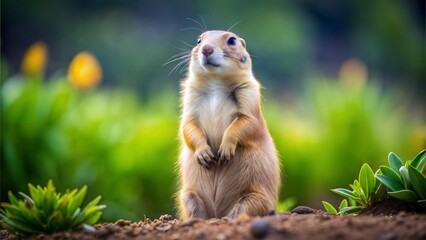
(228, 163)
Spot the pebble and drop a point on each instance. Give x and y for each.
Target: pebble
(122, 222)
(164, 228)
(303, 210)
(166, 217)
(260, 228)
(89, 228)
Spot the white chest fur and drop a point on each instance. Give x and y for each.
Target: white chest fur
(215, 111)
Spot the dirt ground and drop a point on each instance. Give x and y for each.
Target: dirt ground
(302, 223)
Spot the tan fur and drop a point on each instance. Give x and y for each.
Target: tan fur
(228, 163)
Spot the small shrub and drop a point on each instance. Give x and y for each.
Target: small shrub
(405, 182)
(365, 191)
(47, 211)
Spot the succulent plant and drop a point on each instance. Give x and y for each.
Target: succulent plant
(405, 181)
(45, 210)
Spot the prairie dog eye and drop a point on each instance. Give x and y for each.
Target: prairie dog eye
(198, 40)
(232, 41)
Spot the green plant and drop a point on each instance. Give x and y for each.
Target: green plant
(363, 191)
(402, 181)
(47, 211)
(405, 181)
(331, 209)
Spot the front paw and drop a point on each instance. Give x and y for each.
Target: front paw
(226, 151)
(205, 157)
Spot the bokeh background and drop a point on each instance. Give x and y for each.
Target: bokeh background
(344, 83)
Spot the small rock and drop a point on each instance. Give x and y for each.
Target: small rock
(303, 210)
(88, 228)
(166, 217)
(164, 227)
(122, 222)
(260, 228)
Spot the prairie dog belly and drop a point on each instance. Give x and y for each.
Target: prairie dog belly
(216, 112)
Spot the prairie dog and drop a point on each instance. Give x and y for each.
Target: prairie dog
(228, 163)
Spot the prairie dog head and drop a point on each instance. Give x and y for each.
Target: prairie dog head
(220, 53)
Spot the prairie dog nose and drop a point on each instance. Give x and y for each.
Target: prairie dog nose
(207, 50)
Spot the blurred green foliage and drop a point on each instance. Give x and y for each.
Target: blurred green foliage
(326, 134)
(107, 139)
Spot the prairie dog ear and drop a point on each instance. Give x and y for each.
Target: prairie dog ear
(243, 42)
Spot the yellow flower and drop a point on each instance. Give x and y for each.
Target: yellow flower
(85, 71)
(34, 60)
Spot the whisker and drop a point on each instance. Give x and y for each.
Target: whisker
(179, 54)
(192, 28)
(235, 24)
(202, 19)
(187, 44)
(179, 64)
(197, 22)
(177, 59)
(178, 48)
(185, 67)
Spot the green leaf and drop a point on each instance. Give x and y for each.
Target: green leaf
(390, 179)
(351, 202)
(404, 195)
(419, 161)
(418, 181)
(77, 200)
(395, 162)
(388, 183)
(343, 204)
(422, 203)
(350, 210)
(329, 207)
(12, 198)
(367, 180)
(404, 173)
(346, 193)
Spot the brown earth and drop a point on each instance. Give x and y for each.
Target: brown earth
(302, 223)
